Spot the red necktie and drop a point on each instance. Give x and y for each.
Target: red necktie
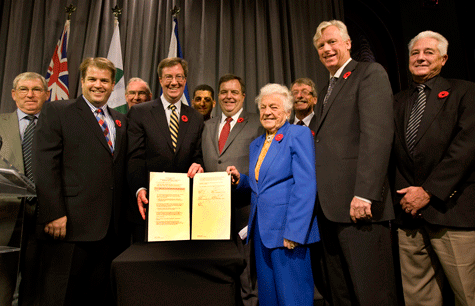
(224, 134)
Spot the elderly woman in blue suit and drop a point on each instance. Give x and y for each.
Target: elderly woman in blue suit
(282, 222)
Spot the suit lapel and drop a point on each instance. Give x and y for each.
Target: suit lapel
(214, 130)
(183, 125)
(158, 113)
(340, 83)
(119, 131)
(238, 126)
(253, 157)
(402, 108)
(433, 106)
(13, 153)
(91, 121)
(273, 151)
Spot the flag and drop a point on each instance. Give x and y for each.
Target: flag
(57, 75)
(175, 51)
(117, 98)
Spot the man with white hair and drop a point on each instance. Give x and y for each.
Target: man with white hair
(137, 91)
(353, 142)
(434, 152)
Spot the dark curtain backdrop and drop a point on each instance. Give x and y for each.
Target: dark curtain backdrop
(261, 41)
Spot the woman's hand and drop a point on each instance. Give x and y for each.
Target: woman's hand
(290, 244)
(235, 176)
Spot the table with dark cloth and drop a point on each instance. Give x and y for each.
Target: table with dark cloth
(178, 273)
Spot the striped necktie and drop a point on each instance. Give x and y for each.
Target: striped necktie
(329, 92)
(173, 126)
(415, 118)
(27, 146)
(105, 129)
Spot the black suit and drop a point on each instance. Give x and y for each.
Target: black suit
(352, 146)
(77, 176)
(150, 146)
(444, 154)
(443, 163)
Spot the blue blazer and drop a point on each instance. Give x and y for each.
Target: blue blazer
(283, 201)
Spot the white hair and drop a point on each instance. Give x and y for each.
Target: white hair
(442, 45)
(325, 24)
(276, 89)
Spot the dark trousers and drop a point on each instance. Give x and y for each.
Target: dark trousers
(77, 273)
(359, 262)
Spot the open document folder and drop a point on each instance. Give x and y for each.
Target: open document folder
(169, 207)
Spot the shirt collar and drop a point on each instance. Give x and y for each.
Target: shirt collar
(340, 70)
(235, 117)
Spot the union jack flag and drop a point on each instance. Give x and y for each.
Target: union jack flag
(57, 75)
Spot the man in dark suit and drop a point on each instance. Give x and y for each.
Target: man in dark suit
(434, 152)
(79, 167)
(225, 144)
(30, 91)
(305, 97)
(164, 134)
(352, 146)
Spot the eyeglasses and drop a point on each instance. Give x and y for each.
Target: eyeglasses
(140, 93)
(169, 78)
(303, 92)
(23, 91)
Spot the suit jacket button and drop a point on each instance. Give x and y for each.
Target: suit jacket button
(317, 140)
(219, 162)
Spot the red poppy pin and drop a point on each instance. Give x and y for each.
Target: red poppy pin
(118, 123)
(184, 118)
(443, 94)
(313, 133)
(279, 137)
(240, 120)
(346, 75)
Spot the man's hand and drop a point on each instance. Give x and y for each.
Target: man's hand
(141, 200)
(57, 228)
(360, 210)
(195, 168)
(235, 176)
(415, 198)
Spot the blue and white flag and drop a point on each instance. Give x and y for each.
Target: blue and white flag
(175, 51)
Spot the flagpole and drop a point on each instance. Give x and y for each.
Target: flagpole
(175, 49)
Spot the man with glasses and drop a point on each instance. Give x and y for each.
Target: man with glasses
(163, 134)
(305, 98)
(137, 91)
(30, 91)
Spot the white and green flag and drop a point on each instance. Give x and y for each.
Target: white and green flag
(117, 98)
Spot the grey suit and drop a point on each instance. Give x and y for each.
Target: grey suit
(235, 153)
(11, 151)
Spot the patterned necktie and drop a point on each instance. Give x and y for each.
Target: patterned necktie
(224, 134)
(301, 123)
(173, 126)
(415, 118)
(329, 92)
(102, 122)
(27, 146)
